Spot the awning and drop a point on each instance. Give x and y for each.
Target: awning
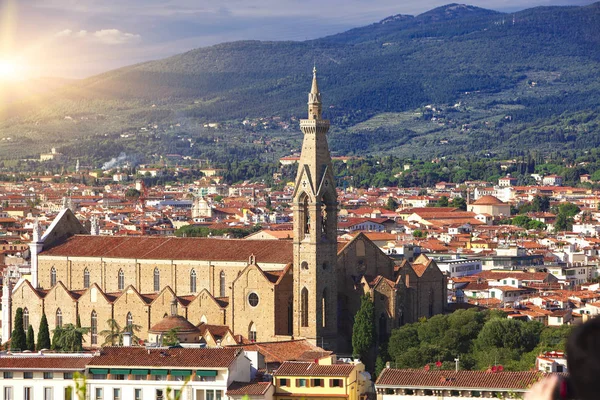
(161, 372)
(181, 372)
(206, 372)
(139, 372)
(117, 371)
(98, 371)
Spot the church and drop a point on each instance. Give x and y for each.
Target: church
(263, 290)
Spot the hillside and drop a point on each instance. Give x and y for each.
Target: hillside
(494, 82)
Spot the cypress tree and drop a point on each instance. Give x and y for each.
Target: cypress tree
(56, 339)
(363, 331)
(43, 339)
(17, 340)
(30, 340)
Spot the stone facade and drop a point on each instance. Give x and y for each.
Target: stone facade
(264, 290)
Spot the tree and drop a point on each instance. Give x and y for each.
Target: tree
(171, 338)
(43, 339)
(417, 233)
(113, 334)
(132, 194)
(56, 340)
(18, 339)
(459, 203)
(391, 204)
(363, 331)
(70, 338)
(442, 202)
(30, 339)
(562, 223)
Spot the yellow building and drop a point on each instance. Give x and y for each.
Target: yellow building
(295, 380)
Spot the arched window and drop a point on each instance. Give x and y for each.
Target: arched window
(324, 308)
(304, 307)
(222, 284)
(52, 277)
(306, 216)
(193, 281)
(86, 278)
(430, 303)
(121, 283)
(252, 332)
(156, 280)
(94, 327)
(58, 321)
(25, 318)
(129, 320)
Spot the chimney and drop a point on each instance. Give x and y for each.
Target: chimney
(126, 339)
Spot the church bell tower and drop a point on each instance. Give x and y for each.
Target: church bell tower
(315, 231)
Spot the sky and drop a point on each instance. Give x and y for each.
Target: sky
(80, 38)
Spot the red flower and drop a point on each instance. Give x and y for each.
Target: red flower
(438, 364)
(427, 367)
(500, 368)
(494, 369)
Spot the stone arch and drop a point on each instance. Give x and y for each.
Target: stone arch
(304, 307)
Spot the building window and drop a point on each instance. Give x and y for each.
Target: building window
(156, 280)
(86, 278)
(253, 299)
(8, 393)
(48, 393)
(28, 393)
(58, 322)
(252, 332)
(25, 318)
(121, 283)
(159, 394)
(8, 375)
(304, 307)
(99, 394)
(336, 383)
(301, 382)
(193, 281)
(69, 393)
(27, 375)
(324, 309)
(222, 284)
(284, 382)
(138, 394)
(304, 265)
(317, 383)
(94, 327)
(129, 322)
(116, 394)
(52, 277)
(48, 375)
(214, 394)
(68, 375)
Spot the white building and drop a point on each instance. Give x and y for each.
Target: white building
(455, 267)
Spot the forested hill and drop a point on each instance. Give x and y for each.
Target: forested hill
(531, 66)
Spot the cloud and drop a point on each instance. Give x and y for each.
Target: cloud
(104, 36)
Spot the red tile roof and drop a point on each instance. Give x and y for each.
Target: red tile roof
(461, 379)
(173, 248)
(44, 362)
(292, 350)
(142, 357)
(296, 368)
(248, 388)
(174, 322)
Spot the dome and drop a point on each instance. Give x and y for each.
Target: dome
(488, 201)
(174, 322)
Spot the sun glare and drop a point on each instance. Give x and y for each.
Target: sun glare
(9, 71)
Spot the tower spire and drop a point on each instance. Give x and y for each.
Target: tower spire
(314, 98)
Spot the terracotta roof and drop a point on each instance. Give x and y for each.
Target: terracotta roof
(174, 322)
(173, 248)
(248, 388)
(297, 368)
(461, 379)
(488, 201)
(278, 352)
(142, 357)
(44, 362)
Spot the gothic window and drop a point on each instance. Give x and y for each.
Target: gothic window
(253, 299)
(324, 308)
(323, 218)
(58, 322)
(86, 278)
(222, 284)
(129, 321)
(25, 318)
(306, 216)
(252, 332)
(121, 284)
(94, 327)
(53, 276)
(193, 281)
(304, 307)
(156, 280)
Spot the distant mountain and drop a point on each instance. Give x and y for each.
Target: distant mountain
(528, 71)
